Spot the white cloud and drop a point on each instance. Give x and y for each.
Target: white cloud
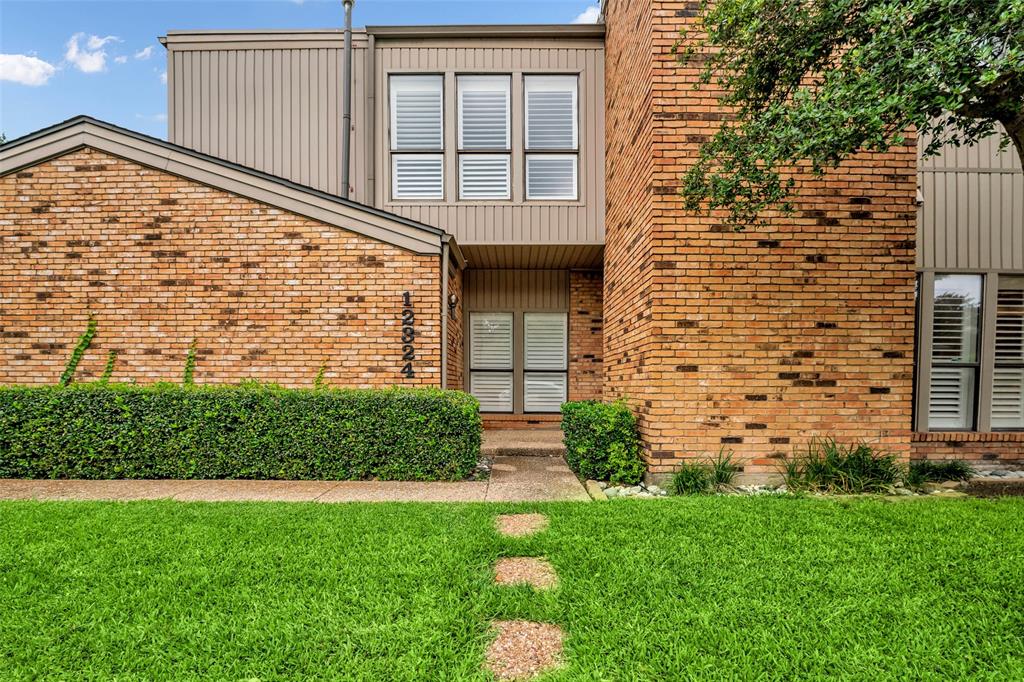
(121, 59)
(90, 59)
(588, 16)
(153, 118)
(145, 53)
(163, 77)
(21, 68)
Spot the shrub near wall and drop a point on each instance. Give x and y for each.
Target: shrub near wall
(602, 442)
(166, 431)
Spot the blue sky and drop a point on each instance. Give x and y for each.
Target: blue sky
(61, 59)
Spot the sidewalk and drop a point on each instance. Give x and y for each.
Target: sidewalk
(513, 479)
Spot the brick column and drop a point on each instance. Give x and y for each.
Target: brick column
(752, 341)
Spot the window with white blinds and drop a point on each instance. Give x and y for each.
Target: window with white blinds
(490, 360)
(484, 137)
(483, 176)
(545, 361)
(551, 176)
(955, 324)
(417, 136)
(1008, 372)
(552, 137)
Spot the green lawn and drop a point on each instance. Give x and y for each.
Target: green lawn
(730, 588)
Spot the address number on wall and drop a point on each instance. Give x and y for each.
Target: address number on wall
(408, 336)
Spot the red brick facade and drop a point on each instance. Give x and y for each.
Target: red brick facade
(159, 260)
(750, 341)
(979, 449)
(586, 336)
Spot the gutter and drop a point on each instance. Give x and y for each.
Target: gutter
(444, 313)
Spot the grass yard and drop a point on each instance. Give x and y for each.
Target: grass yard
(729, 588)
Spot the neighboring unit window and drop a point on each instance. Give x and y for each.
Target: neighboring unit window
(1008, 373)
(417, 137)
(484, 137)
(490, 360)
(552, 137)
(954, 377)
(545, 361)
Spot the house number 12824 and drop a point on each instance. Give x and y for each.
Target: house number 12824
(408, 336)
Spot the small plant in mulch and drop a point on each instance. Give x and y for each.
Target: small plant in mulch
(831, 467)
(707, 476)
(923, 472)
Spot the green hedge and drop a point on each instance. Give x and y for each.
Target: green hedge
(108, 431)
(602, 442)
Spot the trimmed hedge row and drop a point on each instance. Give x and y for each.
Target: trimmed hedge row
(602, 441)
(105, 431)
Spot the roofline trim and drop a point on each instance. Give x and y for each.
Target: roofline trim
(84, 131)
(490, 31)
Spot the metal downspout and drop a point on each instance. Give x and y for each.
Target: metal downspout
(346, 118)
(444, 312)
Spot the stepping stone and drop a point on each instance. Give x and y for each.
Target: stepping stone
(525, 570)
(524, 649)
(518, 525)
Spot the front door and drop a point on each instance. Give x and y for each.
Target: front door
(519, 361)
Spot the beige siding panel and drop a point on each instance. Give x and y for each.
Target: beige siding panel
(499, 290)
(972, 215)
(515, 221)
(275, 107)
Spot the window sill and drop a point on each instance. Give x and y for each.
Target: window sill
(967, 436)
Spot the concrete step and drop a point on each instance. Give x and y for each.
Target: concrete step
(522, 443)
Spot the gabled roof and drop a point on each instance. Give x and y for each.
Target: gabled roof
(84, 131)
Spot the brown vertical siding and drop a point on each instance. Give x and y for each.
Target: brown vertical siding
(270, 102)
(972, 213)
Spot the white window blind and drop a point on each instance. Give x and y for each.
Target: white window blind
(551, 176)
(484, 112)
(490, 341)
(545, 347)
(1008, 374)
(551, 112)
(416, 113)
(955, 319)
(543, 392)
(417, 176)
(490, 349)
(483, 176)
(493, 390)
(545, 337)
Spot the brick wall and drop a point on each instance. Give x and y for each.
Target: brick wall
(160, 260)
(751, 341)
(585, 334)
(628, 268)
(982, 450)
(456, 359)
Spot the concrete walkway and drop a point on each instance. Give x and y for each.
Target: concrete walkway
(513, 479)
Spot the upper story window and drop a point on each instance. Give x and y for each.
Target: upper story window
(552, 137)
(484, 137)
(976, 340)
(417, 137)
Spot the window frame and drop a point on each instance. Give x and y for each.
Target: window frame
(564, 315)
(394, 151)
(996, 363)
(985, 356)
(472, 369)
(462, 151)
(551, 151)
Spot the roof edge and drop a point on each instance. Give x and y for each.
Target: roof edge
(34, 148)
(489, 31)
